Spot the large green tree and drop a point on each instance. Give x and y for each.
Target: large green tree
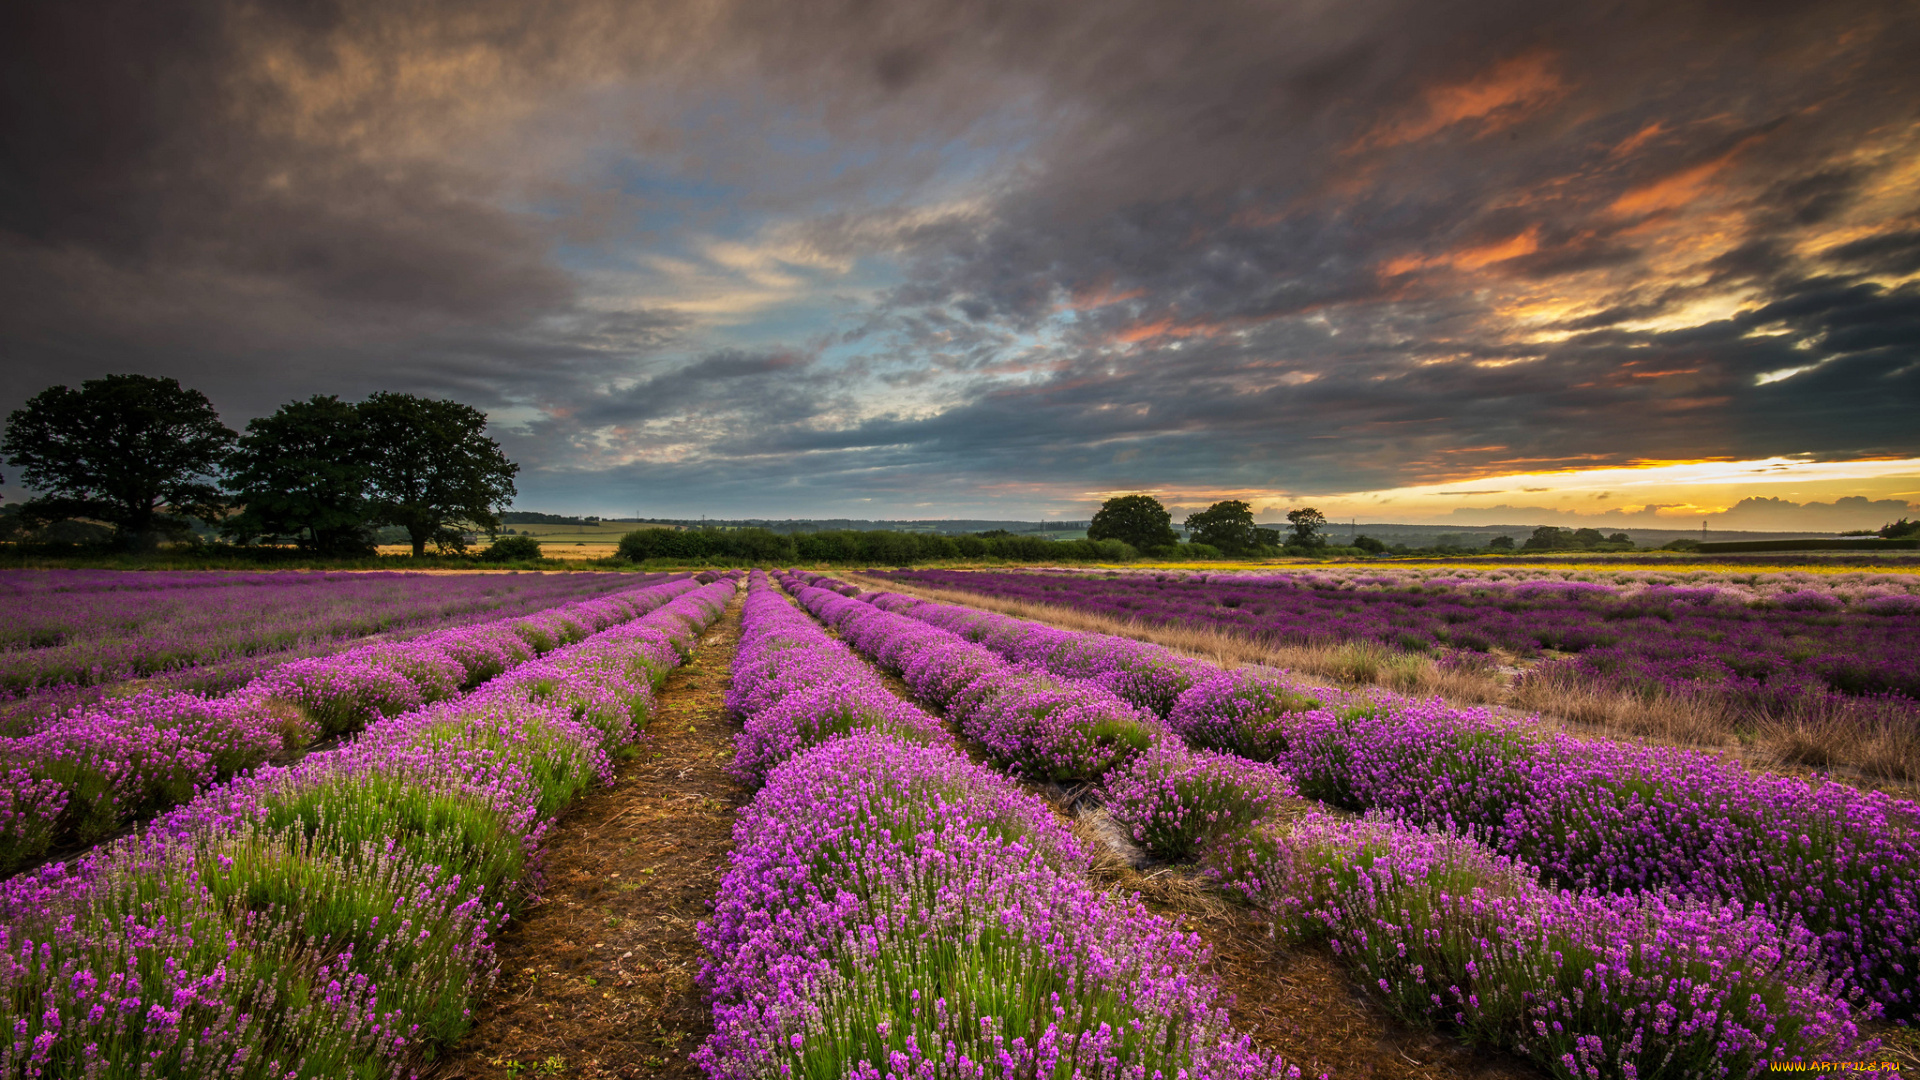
(1138, 520)
(302, 475)
(1226, 525)
(432, 469)
(137, 452)
(1309, 527)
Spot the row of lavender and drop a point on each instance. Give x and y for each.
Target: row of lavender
(75, 628)
(84, 775)
(1587, 812)
(1586, 983)
(894, 910)
(334, 918)
(1783, 653)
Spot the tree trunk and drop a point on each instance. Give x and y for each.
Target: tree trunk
(137, 529)
(419, 538)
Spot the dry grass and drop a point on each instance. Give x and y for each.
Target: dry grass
(1881, 755)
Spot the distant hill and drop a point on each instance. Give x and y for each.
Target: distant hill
(1473, 536)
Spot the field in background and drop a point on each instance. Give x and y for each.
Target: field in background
(1803, 669)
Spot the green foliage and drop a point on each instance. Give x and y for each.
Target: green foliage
(512, 549)
(1374, 547)
(1136, 520)
(1900, 530)
(1500, 543)
(1227, 526)
(1308, 528)
(853, 546)
(433, 468)
(1554, 538)
(134, 451)
(301, 475)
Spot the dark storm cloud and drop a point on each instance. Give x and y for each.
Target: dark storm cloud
(1313, 247)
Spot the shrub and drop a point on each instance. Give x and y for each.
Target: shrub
(1587, 985)
(1174, 801)
(512, 549)
(1245, 711)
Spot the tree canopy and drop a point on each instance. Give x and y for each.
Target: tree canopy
(138, 452)
(302, 475)
(1308, 525)
(1226, 525)
(432, 468)
(1138, 520)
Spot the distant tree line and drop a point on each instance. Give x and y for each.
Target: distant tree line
(529, 517)
(146, 456)
(758, 545)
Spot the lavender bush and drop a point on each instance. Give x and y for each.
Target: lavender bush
(1174, 801)
(87, 627)
(86, 774)
(1591, 813)
(329, 919)
(893, 910)
(1244, 710)
(794, 687)
(1614, 816)
(1041, 725)
(1759, 647)
(1586, 985)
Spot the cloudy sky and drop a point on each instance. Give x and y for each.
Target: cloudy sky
(1404, 260)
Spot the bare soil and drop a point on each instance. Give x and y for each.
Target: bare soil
(597, 977)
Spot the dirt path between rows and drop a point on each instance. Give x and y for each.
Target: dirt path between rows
(596, 979)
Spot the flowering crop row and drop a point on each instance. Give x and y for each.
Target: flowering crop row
(894, 910)
(1587, 984)
(84, 775)
(334, 918)
(1768, 654)
(1586, 812)
(70, 628)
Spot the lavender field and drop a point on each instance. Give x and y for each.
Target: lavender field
(81, 775)
(1601, 909)
(79, 628)
(1759, 649)
(337, 917)
(315, 874)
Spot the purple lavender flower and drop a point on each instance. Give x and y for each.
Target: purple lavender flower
(334, 917)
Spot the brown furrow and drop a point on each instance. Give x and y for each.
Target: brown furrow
(597, 976)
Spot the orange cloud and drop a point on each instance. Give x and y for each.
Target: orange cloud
(1166, 327)
(1499, 97)
(1100, 294)
(1638, 139)
(1678, 189)
(1470, 258)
